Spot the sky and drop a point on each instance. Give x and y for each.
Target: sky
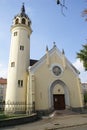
(68, 31)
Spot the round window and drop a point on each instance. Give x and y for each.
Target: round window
(56, 70)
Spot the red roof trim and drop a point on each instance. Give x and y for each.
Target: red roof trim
(3, 81)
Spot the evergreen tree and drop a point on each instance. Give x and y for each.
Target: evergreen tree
(82, 55)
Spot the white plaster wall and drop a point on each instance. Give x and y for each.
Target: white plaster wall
(21, 59)
(44, 79)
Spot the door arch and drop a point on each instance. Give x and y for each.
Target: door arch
(65, 94)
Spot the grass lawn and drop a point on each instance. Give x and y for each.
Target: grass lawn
(4, 116)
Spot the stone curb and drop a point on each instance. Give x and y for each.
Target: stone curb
(18, 120)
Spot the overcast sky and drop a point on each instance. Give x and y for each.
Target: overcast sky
(48, 25)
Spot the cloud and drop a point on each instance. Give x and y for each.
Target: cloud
(78, 65)
(3, 71)
(0, 65)
(83, 73)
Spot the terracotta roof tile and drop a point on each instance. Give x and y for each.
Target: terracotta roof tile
(3, 81)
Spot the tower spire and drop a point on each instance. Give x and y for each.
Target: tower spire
(23, 9)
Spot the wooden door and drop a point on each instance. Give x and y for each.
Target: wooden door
(59, 101)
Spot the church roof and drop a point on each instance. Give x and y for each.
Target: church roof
(60, 54)
(33, 61)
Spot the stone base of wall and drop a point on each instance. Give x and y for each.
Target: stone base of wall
(46, 112)
(41, 113)
(78, 109)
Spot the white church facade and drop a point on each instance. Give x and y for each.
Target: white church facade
(51, 83)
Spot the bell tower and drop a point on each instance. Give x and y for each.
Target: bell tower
(18, 63)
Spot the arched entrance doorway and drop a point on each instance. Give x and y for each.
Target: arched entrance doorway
(59, 95)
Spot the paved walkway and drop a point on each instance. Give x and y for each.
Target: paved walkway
(57, 120)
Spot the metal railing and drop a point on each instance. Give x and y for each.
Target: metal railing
(17, 107)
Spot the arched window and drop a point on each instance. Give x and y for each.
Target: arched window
(28, 23)
(17, 21)
(23, 21)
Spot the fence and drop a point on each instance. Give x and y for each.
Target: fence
(17, 107)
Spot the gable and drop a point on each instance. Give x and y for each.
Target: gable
(55, 57)
(38, 63)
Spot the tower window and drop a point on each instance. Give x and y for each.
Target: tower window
(15, 33)
(23, 21)
(12, 64)
(17, 21)
(20, 83)
(22, 48)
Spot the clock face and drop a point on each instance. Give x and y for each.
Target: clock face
(56, 70)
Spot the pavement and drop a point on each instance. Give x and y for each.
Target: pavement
(57, 120)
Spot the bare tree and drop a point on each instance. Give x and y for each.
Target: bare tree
(62, 4)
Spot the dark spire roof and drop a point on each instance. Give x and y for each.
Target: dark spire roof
(22, 13)
(23, 9)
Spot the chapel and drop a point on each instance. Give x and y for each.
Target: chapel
(45, 85)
